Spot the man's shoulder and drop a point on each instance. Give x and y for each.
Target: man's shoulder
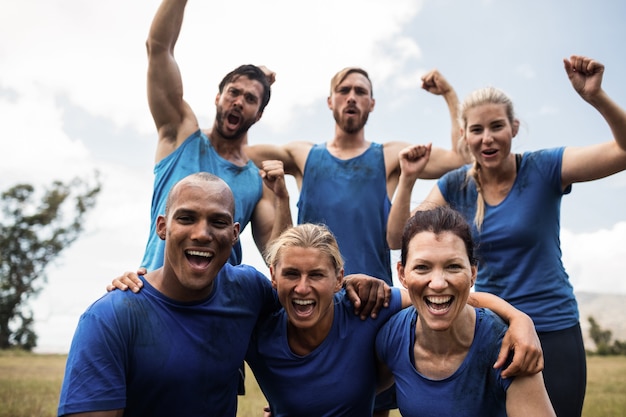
(242, 273)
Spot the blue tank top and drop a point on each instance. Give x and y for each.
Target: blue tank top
(196, 154)
(350, 197)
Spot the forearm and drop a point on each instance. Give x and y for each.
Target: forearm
(282, 218)
(400, 212)
(614, 115)
(166, 24)
(452, 101)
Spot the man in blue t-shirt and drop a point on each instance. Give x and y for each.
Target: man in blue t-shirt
(184, 336)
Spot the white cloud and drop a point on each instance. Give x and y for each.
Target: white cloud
(594, 261)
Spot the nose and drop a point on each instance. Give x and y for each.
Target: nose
(302, 286)
(438, 280)
(351, 97)
(202, 232)
(238, 101)
(487, 136)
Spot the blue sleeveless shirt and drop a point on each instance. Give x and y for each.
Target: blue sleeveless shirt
(196, 154)
(350, 197)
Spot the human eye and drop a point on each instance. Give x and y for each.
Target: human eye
(498, 126)
(317, 276)
(421, 268)
(185, 218)
(290, 274)
(251, 99)
(361, 91)
(455, 267)
(220, 222)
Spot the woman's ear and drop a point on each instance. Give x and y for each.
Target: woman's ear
(272, 275)
(400, 269)
(339, 283)
(474, 274)
(515, 127)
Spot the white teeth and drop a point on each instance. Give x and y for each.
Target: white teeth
(303, 302)
(198, 253)
(441, 299)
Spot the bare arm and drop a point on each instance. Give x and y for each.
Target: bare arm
(400, 212)
(521, 337)
(527, 396)
(272, 214)
(412, 161)
(600, 160)
(172, 116)
(293, 156)
(444, 160)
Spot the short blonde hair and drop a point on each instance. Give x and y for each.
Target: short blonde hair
(307, 235)
(341, 75)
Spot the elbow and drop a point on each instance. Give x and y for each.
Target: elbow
(155, 47)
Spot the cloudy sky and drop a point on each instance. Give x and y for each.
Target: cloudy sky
(72, 99)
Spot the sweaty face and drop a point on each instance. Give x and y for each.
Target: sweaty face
(200, 234)
(438, 276)
(306, 281)
(237, 107)
(489, 134)
(351, 102)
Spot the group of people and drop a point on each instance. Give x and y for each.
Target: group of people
(177, 346)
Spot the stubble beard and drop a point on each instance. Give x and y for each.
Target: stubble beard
(239, 133)
(351, 125)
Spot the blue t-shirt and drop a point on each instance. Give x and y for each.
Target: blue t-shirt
(474, 389)
(196, 154)
(518, 246)
(154, 356)
(338, 378)
(350, 197)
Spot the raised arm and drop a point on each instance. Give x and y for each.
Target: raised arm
(412, 161)
(444, 160)
(172, 116)
(272, 214)
(592, 162)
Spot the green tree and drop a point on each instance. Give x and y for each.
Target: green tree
(34, 230)
(602, 339)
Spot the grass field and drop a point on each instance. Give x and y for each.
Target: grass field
(30, 383)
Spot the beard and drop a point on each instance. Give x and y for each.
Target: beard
(351, 125)
(244, 125)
